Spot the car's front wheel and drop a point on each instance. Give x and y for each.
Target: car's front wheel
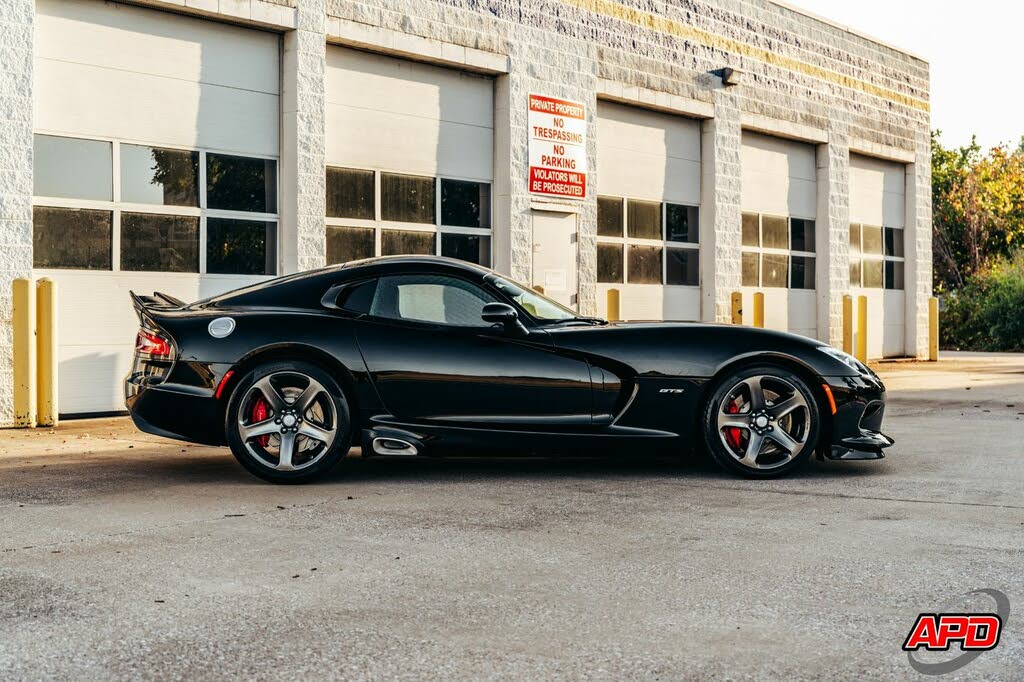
(761, 422)
(288, 422)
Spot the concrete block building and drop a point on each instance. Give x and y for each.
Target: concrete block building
(678, 151)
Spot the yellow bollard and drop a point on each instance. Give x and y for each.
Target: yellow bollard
(46, 351)
(613, 305)
(737, 307)
(848, 324)
(24, 352)
(759, 309)
(862, 328)
(933, 329)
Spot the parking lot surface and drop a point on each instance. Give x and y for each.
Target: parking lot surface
(125, 555)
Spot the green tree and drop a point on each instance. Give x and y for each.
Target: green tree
(977, 208)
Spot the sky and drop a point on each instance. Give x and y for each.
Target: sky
(976, 51)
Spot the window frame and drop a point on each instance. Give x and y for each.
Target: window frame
(378, 224)
(625, 241)
(882, 258)
(117, 207)
(789, 253)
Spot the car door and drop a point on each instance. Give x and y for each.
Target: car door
(432, 358)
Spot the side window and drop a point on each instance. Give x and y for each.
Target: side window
(430, 298)
(359, 298)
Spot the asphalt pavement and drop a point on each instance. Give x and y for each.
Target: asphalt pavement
(124, 556)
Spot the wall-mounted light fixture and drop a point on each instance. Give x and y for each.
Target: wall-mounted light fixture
(731, 76)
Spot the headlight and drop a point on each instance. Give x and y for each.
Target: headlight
(845, 358)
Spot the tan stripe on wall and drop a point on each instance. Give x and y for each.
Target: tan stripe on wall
(660, 24)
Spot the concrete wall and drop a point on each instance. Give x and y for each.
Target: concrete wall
(804, 79)
(16, 19)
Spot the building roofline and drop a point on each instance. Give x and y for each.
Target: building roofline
(848, 29)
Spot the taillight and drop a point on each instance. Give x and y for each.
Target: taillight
(152, 344)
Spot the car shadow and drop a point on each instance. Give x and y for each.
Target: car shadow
(142, 471)
(454, 469)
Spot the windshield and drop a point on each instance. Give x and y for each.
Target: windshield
(539, 307)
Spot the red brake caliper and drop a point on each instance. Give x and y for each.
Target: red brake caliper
(733, 434)
(260, 412)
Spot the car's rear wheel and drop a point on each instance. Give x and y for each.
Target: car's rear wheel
(761, 422)
(288, 422)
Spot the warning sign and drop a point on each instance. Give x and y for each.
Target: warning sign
(558, 147)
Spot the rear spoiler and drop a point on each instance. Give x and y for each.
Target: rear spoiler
(158, 302)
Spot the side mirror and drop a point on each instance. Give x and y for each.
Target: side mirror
(503, 314)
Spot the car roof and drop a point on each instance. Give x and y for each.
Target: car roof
(382, 264)
(310, 284)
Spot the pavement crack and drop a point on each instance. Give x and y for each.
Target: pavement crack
(846, 496)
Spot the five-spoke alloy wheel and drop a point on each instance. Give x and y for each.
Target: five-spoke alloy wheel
(288, 422)
(761, 422)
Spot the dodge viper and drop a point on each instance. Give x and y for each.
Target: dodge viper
(412, 356)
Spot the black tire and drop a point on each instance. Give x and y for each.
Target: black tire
(256, 454)
(773, 462)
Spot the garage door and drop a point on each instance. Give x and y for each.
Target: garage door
(779, 199)
(648, 185)
(410, 158)
(877, 215)
(155, 169)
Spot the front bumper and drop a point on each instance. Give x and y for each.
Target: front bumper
(857, 423)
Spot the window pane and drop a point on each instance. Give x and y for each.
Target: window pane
(774, 233)
(855, 272)
(751, 230)
(609, 217)
(359, 298)
(872, 237)
(802, 234)
(776, 270)
(164, 243)
(346, 244)
(683, 267)
(893, 274)
(751, 270)
(644, 265)
(468, 247)
(71, 238)
(871, 273)
(166, 177)
(894, 241)
(465, 204)
(241, 247)
(802, 272)
(239, 183)
(430, 298)
(609, 263)
(350, 194)
(682, 223)
(854, 239)
(407, 198)
(404, 242)
(644, 219)
(72, 168)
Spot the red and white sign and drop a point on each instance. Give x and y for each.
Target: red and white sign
(558, 147)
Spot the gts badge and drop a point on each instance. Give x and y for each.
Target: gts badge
(672, 390)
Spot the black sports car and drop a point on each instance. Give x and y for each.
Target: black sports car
(413, 356)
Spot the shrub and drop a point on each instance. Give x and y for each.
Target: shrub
(987, 313)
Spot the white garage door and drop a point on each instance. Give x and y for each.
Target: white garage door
(877, 215)
(155, 169)
(648, 185)
(410, 158)
(779, 199)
